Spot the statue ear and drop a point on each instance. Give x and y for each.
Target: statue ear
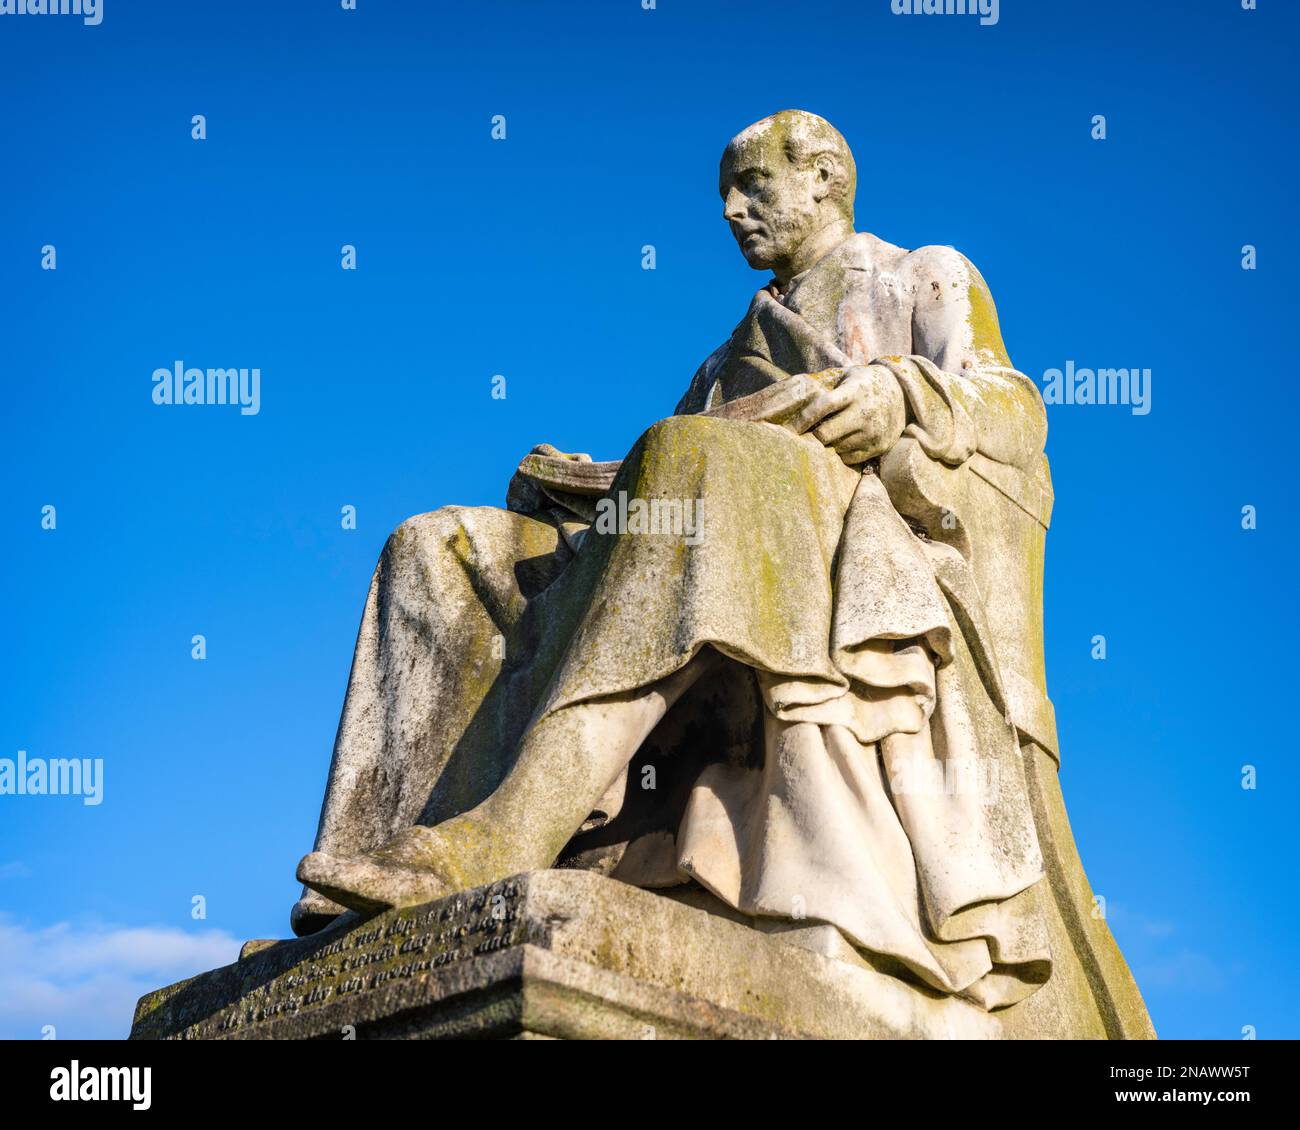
(826, 176)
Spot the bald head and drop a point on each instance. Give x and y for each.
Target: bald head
(787, 185)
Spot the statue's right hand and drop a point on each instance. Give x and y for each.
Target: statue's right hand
(861, 417)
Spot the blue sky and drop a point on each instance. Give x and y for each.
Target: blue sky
(522, 257)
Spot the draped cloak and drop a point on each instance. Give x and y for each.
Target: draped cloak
(852, 765)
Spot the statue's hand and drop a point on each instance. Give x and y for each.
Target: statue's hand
(547, 476)
(523, 495)
(861, 417)
(555, 453)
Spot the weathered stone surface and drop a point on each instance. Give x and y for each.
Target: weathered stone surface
(847, 459)
(570, 954)
(550, 953)
(828, 684)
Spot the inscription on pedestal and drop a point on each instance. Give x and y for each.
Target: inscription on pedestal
(403, 945)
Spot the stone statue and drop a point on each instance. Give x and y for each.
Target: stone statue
(783, 662)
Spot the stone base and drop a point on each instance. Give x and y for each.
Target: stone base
(563, 954)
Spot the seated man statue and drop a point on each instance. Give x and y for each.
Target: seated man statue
(753, 659)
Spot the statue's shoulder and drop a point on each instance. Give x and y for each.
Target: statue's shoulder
(942, 264)
(866, 252)
(953, 303)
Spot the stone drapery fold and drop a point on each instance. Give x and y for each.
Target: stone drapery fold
(888, 798)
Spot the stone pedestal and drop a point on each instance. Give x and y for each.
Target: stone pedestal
(565, 954)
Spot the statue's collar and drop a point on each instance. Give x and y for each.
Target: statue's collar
(853, 253)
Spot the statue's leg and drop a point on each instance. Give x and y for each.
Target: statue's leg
(437, 697)
(565, 764)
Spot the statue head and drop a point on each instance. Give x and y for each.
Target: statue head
(787, 185)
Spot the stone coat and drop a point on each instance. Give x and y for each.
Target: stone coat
(865, 771)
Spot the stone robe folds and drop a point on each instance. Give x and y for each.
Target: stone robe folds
(853, 764)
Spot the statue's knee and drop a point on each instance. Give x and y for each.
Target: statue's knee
(680, 433)
(425, 533)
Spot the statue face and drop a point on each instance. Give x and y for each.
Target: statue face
(772, 206)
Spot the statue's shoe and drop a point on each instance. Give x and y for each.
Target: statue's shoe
(369, 885)
(313, 912)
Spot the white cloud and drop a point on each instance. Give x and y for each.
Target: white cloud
(86, 979)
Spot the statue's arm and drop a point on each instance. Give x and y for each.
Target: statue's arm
(696, 397)
(955, 326)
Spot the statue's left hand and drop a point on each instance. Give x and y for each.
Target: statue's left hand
(547, 477)
(861, 417)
